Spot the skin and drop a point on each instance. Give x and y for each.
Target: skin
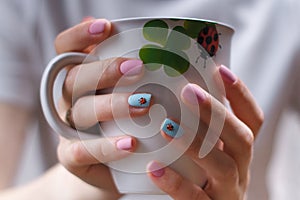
(11, 135)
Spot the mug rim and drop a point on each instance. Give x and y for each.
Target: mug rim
(225, 25)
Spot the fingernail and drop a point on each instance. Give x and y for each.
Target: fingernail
(171, 128)
(193, 94)
(227, 75)
(156, 169)
(131, 67)
(141, 100)
(125, 143)
(97, 27)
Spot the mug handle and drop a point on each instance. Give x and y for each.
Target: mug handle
(46, 92)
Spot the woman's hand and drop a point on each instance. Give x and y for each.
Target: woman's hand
(227, 165)
(84, 158)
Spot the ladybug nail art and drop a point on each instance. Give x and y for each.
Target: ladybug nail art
(172, 129)
(140, 100)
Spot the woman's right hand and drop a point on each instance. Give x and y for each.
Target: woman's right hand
(84, 158)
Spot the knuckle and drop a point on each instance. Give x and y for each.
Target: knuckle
(230, 172)
(176, 186)
(208, 187)
(113, 62)
(247, 138)
(109, 71)
(59, 152)
(77, 154)
(113, 65)
(69, 159)
(260, 118)
(194, 148)
(69, 80)
(244, 183)
(61, 148)
(198, 194)
(57, 41)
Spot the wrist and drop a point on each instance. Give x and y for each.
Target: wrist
(57, 183)
(68, 186)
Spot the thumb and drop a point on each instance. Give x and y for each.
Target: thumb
(83, 35)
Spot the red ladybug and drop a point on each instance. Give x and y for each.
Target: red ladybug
(208, 38)
(142, 100)
(170, 127)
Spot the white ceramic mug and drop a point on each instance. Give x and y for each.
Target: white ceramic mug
(175, 52)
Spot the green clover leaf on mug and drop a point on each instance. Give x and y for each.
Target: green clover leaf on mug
(168, 50)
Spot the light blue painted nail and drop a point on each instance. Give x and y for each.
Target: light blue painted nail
(140, 100)
(172, 129)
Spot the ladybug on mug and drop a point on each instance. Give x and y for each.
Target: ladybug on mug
(208, 38)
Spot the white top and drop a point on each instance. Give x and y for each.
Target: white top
(265, 55)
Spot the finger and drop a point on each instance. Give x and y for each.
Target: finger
(101, 75)
(85, 158)
(174, 184)
(217, 162)
(75, 154)
(83, 35)
(241, 100)
(224, 182)
(218, 165)
(89, 110)
(236, 136)
(97, 175)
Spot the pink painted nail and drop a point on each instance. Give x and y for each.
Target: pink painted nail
(193, 94)
(227, 75)
(125, 144)
(156, 169)
(97, 27)
(131, 67)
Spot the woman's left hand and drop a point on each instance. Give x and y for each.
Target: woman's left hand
(227, 165)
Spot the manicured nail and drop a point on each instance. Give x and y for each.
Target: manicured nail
(227, 75)
(171, 128)
(156, 169)
(97, 27)
(125, 143)
(131, 67)
(141, 100)
(193, 94)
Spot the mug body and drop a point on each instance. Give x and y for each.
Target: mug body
(175, 52)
